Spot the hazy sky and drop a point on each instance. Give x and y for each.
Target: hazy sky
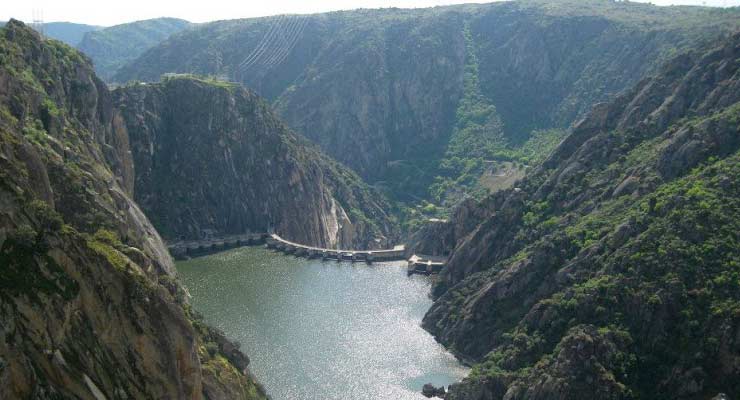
(115, 12)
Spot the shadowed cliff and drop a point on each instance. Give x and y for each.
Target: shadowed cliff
(212, 157)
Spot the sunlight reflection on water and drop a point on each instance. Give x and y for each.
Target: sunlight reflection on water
(322, 330)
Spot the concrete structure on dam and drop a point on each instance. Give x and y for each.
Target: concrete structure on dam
(426, 265)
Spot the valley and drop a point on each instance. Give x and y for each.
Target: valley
(562, 175)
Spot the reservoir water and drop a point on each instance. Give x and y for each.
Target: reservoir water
(322, 329)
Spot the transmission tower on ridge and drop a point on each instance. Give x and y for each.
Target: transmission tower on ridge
(38, 20)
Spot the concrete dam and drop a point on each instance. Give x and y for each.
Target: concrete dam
(418, 264)
(276, 242)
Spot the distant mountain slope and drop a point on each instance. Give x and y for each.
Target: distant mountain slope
(89, 301)
(613, 270)
(112, 47)
(68, 32)
(401, 85)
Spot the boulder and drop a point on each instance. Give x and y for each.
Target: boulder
(430, 390)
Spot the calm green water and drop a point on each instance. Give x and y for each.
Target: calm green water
(322, 330)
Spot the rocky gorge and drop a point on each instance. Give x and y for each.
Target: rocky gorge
(575, 163)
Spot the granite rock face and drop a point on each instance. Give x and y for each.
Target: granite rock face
(211, 157)
(89, 303)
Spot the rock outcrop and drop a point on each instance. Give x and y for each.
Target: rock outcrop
(429, 390)
(611, 270)
(211, 157)
(89, 302)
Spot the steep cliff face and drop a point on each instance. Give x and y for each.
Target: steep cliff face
(393, 83)
(388, 88)
(89, 304)
(212, 157)
(612, 270)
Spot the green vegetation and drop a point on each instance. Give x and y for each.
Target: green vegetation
(28, 269)
(689, 245)
(35, 132)
(478, 145)
(478, 132)
(108, 245)
(50, 108)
